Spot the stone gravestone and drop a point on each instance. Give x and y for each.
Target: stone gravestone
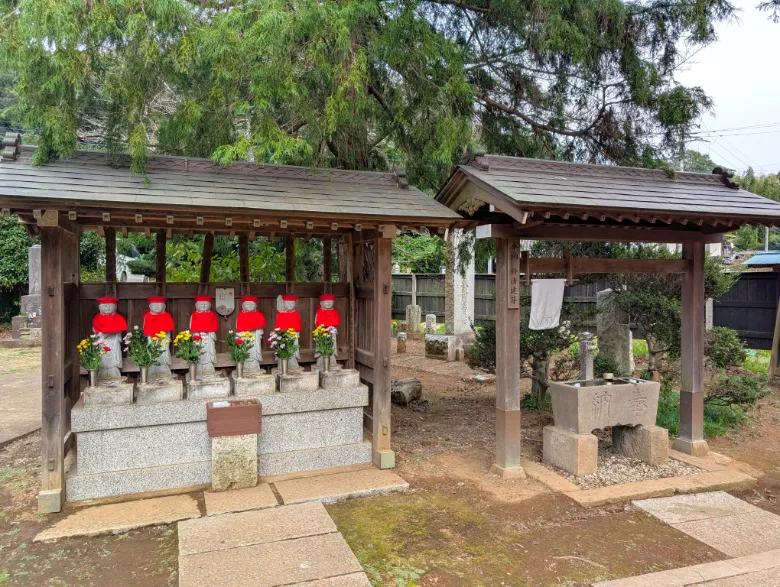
(458, 290)
(430, 324)
(413, 318)
(401, 343)
(587, 347)
(613, 331)
(28, 323)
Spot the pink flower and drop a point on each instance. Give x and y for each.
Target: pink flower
(239, 341)
(281, 346)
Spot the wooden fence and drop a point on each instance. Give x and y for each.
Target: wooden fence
(750, 308)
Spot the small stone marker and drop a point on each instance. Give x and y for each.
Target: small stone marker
(403, 391)
(233, 462)
(614, 332)
(460, 354)
(587, 348)
(401, 343)
(430, 324)
(413, 318)
(441, 346)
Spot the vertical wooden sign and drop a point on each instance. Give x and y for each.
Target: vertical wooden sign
(513, 283)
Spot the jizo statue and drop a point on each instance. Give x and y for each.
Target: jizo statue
(250, 319)
(204, 323)
(110, 325)
(288, 317)
(328, 316)
(157, 320)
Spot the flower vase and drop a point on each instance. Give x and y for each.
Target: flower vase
(193, 372)
(144, 376)
(93, 377)
(326, 364)
(239, 370)
(284, 363)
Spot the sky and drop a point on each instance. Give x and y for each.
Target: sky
(739, 72)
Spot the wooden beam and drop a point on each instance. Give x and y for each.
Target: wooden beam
(327, 251)
(574, 232)
(383, 455)
(57, 218)
(289, 259)
(205, 263)
(585, 265)
(508, 313)
(161, 240)
(110, 261)
(691, 436)
(243, 262)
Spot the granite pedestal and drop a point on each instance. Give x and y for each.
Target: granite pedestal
(214, 387)
(171, 390)
(108, 395)
(295, 382)
(254, 385)
(343, 378)
(138, 448)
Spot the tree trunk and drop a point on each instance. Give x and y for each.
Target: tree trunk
(539, 368)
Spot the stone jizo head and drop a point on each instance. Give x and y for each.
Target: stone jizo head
(202, 303)
(327, 301)
(289, 302)
(248, 306)
(107, 305)
(157, 307)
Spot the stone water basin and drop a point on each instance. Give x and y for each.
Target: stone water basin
(584, 406)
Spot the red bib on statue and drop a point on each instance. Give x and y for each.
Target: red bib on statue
(285, 320)
(327, 317)
(250, 321)
(154, 323)
(204, 322)
(109, 323)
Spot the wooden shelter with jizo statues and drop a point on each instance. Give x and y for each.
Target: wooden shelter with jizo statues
(356, 214)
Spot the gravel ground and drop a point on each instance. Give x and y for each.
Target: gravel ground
(615, 469)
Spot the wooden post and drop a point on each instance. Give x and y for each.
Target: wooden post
(161, 240)
(344, 257)
(243, 262)
(59, 264)
(691, 439)
(110, 233)
(414, 291)
(327, 249)
(508, 313)
(205, 263)
(289, 261)
(349, 277)
(383, 456)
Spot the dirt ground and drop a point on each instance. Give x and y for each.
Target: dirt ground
(458, 525)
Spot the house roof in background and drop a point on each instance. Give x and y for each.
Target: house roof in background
(769, 258)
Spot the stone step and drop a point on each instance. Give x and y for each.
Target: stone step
(81, 486)
(339, 486)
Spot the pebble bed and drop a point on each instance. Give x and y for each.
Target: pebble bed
(614, 469)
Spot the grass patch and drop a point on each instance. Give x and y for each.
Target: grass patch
(757, 361)
(718, 420)
(639, 347)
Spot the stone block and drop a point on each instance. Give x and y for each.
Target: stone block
(342, 379)
(696, 448)
(309, 430)
(155, 393)
(587, 349)
(340, 486)
(440, 346)
(614, 332)
(114, 395)
(413, 318)
(403, 391)
(582, 408)
(233, 462)
(297, 382)
(254, 386)
(401, 343)
(460, 354)
(252, 498)
(430, 324)
(205, 389)
(574, 453)
(646, 443)
(328, 457)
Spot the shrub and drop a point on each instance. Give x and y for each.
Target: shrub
(757, 361)
(606, 364)
(744, 390)
(530, 402)
(723, 348)
(567, 364)
(482, 354)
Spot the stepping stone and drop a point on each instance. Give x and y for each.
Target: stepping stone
(239, 500)
(217, 533)
(737, 535)
(699, 506)
(339, 486)
(121, 517)
(353, 580)
(301, 560)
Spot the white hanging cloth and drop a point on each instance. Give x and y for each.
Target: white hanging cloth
(546, 303)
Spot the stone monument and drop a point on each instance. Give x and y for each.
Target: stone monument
(587, 348)
(162, 384)
(255, 381)
(26, 327)
(413, 319)
(204, 325)
(459, 289)
(614, 332)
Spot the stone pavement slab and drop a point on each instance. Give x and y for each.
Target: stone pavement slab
(286, 562)
(121, 517)
(338, 486)
(353, 580)
(742, 572)
(239, 500)
(698, 506)
(251, 528)
(736, 535)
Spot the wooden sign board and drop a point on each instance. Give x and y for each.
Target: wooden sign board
(225, 301)
(513, 281)
(233, 417)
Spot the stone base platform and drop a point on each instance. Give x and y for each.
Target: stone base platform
(254, 385)
(339, 379)
(137, 448)
(157, 392)
(213, 388)
(109, 395)
(298, 382)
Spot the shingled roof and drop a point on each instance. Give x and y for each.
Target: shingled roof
(539, 189)
(187, 185)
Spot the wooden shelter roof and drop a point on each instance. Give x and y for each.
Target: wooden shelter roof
(188, 188)
(552, 192)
